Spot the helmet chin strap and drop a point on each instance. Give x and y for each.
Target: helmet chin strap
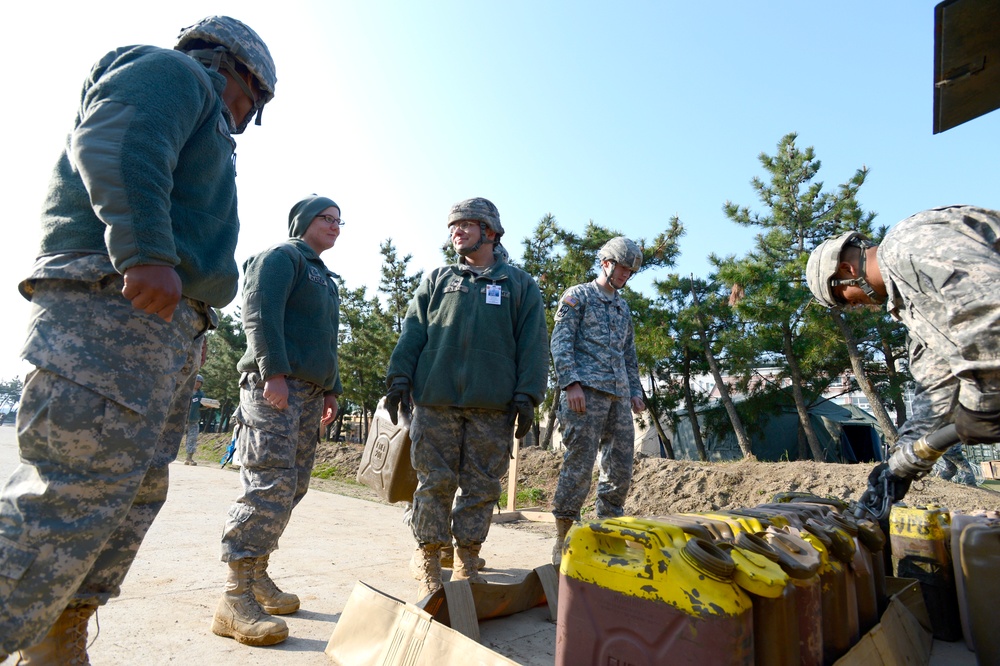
(608, 274)
(860, 282)
(479, 243)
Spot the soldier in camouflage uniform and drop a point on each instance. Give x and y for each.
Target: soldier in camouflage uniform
(593, 352)
(937, 273)
(932, 399)
(289, 387)
(473, 351)
(194, 422)
(139, 229)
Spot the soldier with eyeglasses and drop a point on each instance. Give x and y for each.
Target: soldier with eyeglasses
(289, 385)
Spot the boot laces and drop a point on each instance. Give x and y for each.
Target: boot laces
(76, 635)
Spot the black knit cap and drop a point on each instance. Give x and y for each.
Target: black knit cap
(304, 212)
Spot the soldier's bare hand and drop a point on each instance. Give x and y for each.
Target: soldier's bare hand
(329, 409)
(276, 392)
(575, 399)
(153, 289)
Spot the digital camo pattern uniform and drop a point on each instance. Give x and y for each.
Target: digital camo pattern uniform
(276, 449)
(194, 423)
(932, 407)
(99, 423)
(941, 269)
(448, 444)
(593, 343)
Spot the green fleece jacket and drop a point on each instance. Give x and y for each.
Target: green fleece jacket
(291, 315)
(148, 174)
(458, 350)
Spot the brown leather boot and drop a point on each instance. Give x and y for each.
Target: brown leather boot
(466, 558)
(428, 563)
(238, 614)
(268, 595)
(562, 529)
(66, 642)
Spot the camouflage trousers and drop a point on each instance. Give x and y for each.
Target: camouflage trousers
(276, 450)
(463, 450)
(604, 433)
(933, 406)
(191, 442)
(101, 418)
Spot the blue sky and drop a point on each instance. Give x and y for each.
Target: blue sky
(622, 113)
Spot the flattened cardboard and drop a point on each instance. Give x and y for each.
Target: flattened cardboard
(378, 630)
(902, 637)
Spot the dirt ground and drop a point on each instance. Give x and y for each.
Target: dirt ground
(662, 486)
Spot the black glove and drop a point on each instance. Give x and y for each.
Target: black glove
(398, 396)
(898, 487)
(884, 488)
(522, 410)
(977, 427)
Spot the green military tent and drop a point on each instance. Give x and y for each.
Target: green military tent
(846, 434)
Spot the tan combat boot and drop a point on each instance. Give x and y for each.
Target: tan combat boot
(268, 595)
(562, 529)
(466, 558)
(448, 559)
(238, 614)
(190, 460)
(428, 563)
(66, 642)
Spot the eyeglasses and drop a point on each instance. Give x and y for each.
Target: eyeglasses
(331, 220)
(464, 225)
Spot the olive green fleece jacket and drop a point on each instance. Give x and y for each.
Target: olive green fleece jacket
(147, 176)
(291, 315)
(457, 350)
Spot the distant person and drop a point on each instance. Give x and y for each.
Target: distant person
(937, 273)
(473, 353)
(139, 228)
(593, 352)
(194, 421)
(289, 387)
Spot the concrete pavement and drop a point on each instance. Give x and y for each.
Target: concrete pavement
(164, 613)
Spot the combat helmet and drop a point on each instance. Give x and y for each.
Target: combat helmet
(235, 41)
(479, 210)
(622, 251)
(822, 267)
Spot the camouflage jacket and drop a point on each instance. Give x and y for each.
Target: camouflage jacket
(941, 269)
(593, 342)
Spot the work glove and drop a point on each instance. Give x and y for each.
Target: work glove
(898, 487)
(884, 488)
(522, 410)
(398, 396)
(977, 427)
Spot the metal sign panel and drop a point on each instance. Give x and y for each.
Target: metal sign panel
(966, 61)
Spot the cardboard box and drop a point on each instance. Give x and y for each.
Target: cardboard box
(902, 637)
(991, 469)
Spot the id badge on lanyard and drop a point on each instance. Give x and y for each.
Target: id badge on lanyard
(493, 294)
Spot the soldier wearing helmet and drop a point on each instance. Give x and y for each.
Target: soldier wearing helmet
(936, 272)
(593, 351)
(473, 360)
(139, 228)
